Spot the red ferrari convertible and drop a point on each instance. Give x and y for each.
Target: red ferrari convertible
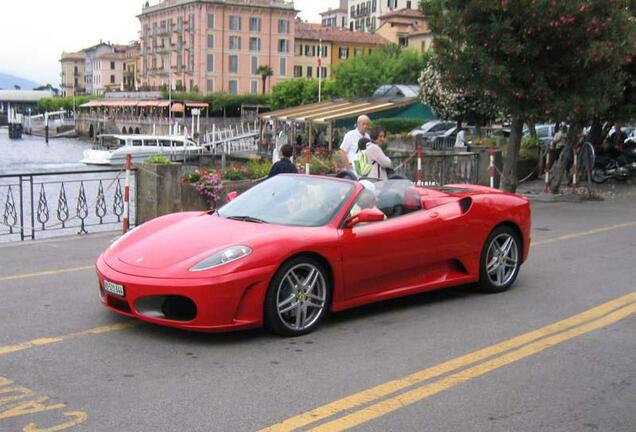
(292, 248)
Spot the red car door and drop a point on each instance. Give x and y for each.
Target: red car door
(390, 255)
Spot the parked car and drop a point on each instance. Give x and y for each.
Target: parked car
(433, 128)
(545, 133)
(294, 247)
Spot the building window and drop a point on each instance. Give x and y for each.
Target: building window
(324, 50)
(403, 41)
(210, 41)
(254, 65)
(210, 62)
(298, 49)
(283, 26)
(112, 65)
(283, 66)
(210, 85)
(235, 42)
(235, 23)
(233, 87)
(210, 21)
(255, 24)
(344, 53)
(310, 50)
(254, 87)
(374, 6)
(298, 71)
(322, 72)
(310, 71)
(233, 64)
(255, 44)
(112, 79)
(359, 51)
(408, 4)
(283, 45)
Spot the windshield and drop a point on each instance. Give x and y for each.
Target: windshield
(290, 200)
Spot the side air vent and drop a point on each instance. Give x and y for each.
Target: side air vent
(465, 204)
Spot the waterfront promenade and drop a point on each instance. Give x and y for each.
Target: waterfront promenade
(71, 364)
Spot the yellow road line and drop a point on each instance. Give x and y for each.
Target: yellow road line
(8, 349)
(47, 273)
(423, 392)
(585, 233)
(391, 387)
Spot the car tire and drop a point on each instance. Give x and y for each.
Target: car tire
(500, 260)
(298, 297)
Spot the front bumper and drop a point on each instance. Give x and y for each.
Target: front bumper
(230, 302)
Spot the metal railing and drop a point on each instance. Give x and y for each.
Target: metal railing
(441, 168)
(62, 203)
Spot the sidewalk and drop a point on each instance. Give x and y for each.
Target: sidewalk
(609, 190)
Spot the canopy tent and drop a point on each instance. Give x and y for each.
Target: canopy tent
(343, 112)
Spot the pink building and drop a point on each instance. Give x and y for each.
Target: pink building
(217, 45)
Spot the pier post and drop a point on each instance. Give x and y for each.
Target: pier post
(46, 127)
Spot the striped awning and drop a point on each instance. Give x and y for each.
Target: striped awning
(334, 110)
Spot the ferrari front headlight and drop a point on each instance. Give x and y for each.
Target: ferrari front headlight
(223, 257)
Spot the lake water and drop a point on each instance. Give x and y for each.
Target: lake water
(32, 154)
(52, 202)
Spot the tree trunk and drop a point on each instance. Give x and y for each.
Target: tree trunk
(264, 78)
(533, 130)
(509, 178)
(559, 170)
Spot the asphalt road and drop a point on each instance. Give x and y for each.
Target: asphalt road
(433, 362)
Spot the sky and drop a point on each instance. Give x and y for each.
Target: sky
(33, 33)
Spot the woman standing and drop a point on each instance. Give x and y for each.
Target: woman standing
(376, 156)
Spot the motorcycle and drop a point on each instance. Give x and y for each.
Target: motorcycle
(615, 164)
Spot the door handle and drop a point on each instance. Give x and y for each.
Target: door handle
(433, 215)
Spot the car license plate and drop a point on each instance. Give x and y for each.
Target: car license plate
(114, 288)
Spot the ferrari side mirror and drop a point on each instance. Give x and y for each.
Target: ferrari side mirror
(365, 216)
(231, 196)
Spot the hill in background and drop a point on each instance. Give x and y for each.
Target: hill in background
(7, 82)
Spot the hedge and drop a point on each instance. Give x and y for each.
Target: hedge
(397, 125)
(222, 104)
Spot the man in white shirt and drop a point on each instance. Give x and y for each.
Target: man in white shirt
(350, 141)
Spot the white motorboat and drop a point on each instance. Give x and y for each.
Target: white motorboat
(140, 147)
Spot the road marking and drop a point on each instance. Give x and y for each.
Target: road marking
(585, 233)
(47, 273)
(25, 402)
(395, 403)
(8, 349)
(394, 386)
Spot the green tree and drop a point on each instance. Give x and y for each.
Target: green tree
(360, 76)
(537, 58)
(265, 71)
(300, 91)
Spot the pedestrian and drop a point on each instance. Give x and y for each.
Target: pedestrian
(372, 151)
(460, 141)
(350, 141)
(284, 165)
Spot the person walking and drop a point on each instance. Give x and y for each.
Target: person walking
(284, 165)
(350, 141)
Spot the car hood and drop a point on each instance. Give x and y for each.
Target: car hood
(185, 240)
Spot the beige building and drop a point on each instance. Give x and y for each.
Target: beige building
(337, 17)
(364, 15)
(72, 76)
(132, 67)
(329, 45)
(217, 46)
(407, 28)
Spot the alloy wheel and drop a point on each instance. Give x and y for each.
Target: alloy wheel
(301, 297)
